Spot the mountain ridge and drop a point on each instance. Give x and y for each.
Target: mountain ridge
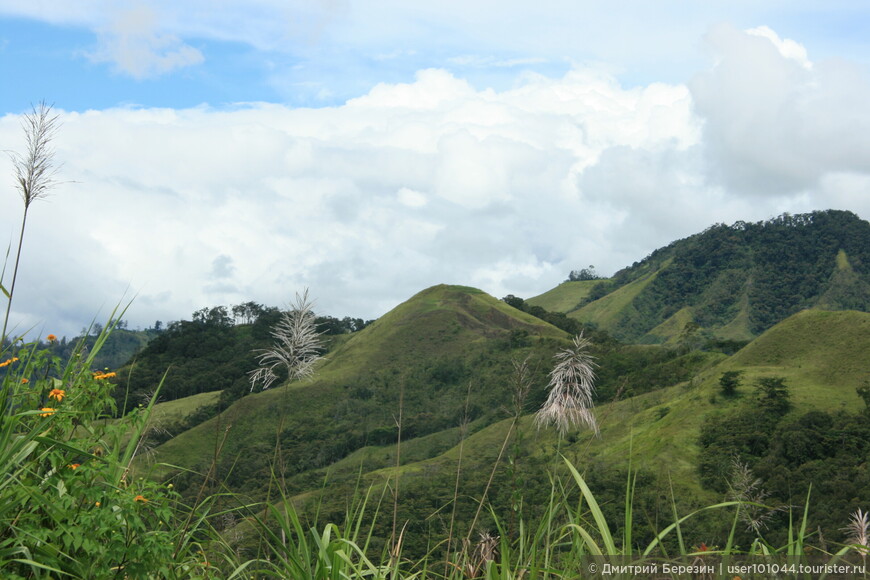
(736, 281)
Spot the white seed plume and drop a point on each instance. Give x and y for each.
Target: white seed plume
(297, 346)
(745, 488)
(35, 169)
(572, 384)
(858, 529)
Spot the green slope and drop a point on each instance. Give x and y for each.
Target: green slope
(733, 282)
(565, 297)
(340, 427)
(821, 355)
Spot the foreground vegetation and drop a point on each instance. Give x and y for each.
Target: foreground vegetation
(69, 507)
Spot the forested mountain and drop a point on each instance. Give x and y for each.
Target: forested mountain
(731, 281)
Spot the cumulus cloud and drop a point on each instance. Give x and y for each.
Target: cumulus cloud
(133, 43)
(430, 181)
(774, 122)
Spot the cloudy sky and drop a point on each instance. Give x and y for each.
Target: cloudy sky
(218, 152)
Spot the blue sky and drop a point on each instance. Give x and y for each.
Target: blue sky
(368, 150)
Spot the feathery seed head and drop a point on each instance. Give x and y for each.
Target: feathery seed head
(297, 346)
(572, 385)
(858, 528)
(35, 170)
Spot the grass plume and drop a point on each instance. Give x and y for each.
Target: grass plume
(297, 346)
(572, 386)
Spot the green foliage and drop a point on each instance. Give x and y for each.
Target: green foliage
(825, 451)
(773, 395)
(67, 504)
(583, 274)
(729, 382)
(741, 279)
(209, 353)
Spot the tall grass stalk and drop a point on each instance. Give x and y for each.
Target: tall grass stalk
(522, 384)
(463, 430)
(34, 177)
(395, 546)
(296, 348)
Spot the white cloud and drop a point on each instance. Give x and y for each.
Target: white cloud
(431, 181)
(133, 43)
(776, 123)
(410, 198)
(786, 47)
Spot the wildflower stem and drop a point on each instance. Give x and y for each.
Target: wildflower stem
(14, 277)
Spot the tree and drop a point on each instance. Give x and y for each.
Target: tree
(773, 395)
(514, 301)
(247, 311)
(583, 274)
(729, 381)
(215, 316)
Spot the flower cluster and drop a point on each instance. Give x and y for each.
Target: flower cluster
(6, 363)
(101, 376)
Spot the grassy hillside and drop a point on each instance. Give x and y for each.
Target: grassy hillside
(423, 354)
(657, 433)
(565, 297)
(732, 282)
(446, 353)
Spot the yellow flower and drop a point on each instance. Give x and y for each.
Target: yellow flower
(51, 338)
(57, 394)
(46, 411)
(96, 503)
(8, 362)
(100, 375)
(25, 381)
(74, 466)
(140, 498)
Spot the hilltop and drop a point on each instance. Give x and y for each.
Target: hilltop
(729, 282)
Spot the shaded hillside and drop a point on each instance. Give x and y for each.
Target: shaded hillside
(210, 353)
(734, 281)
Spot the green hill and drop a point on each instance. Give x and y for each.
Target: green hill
(732, 282)
(423, 354)
(658, 433)
(447, 353)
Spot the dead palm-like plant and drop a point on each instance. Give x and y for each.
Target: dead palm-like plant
(859, 532)
(297, 346)
(572, 385)
(34, 177)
